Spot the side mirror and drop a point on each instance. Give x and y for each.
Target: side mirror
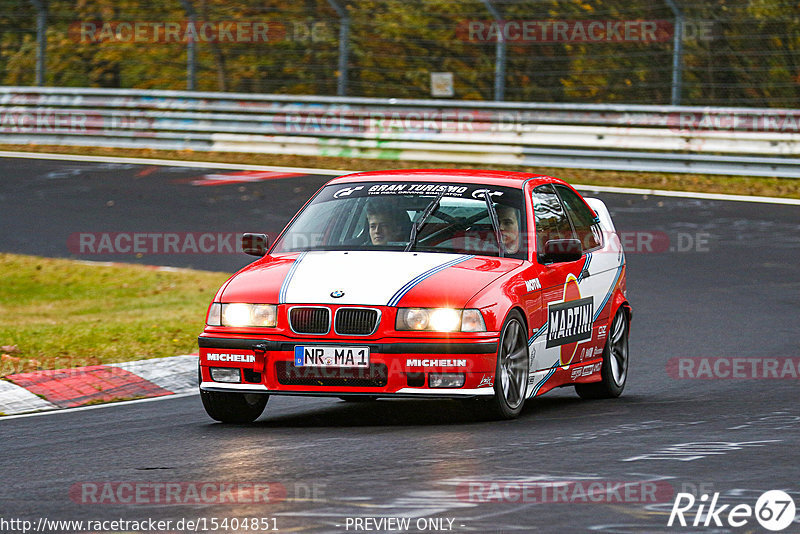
(561, 251)
(255, 244)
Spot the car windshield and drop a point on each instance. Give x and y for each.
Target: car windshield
(381, 215)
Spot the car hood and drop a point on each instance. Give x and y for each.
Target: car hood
(374, 278)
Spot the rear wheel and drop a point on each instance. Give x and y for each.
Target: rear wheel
(614, 370)
(233, 407)
(511, 372)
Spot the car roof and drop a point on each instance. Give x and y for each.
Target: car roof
(468, 176)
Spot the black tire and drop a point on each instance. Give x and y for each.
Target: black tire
(511, 371)
(233, 407)
(614, 371)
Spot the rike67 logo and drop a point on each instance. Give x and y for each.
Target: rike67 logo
(774, 510)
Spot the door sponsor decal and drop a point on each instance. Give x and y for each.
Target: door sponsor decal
(532, 285)
(570, 322)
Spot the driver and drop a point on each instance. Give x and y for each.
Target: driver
(508, 217)
(385, 223)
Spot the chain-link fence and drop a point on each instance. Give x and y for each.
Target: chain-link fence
(726, 53)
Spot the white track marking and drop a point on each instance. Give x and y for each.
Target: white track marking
(170, 163)
(98, 406)
(339, 172)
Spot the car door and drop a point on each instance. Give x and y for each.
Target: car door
(565, 335)
(600, 271)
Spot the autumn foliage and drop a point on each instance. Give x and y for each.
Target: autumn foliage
(736, 52)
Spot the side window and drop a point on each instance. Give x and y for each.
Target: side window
(551, 222)
(315, 230)
(587, 228)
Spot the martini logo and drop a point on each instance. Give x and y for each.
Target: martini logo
(570, 322)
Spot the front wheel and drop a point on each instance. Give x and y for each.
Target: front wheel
(614, 371)
(511, 371)
(233, 407)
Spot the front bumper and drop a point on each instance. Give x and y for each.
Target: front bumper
(398, 367)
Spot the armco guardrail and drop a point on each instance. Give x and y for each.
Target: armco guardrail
(732, 141)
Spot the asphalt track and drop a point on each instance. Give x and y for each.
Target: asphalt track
(734, 293)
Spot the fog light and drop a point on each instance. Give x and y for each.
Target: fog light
(446, 380)
(226, 374)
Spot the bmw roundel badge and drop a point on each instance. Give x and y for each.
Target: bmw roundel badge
(337, 294)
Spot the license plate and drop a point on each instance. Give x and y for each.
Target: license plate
(325, 356)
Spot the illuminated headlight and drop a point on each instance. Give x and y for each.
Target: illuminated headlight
(446, 380)
(241, 315)
(226, 374)
(445, 320)
(440, 320)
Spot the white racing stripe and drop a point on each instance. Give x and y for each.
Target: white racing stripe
(366, 277)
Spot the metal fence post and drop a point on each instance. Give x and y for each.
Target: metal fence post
(677, 53)
(499, 54)
(191, 48)
(344, 46)
(41, 39)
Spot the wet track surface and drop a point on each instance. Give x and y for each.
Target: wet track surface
(729, 288)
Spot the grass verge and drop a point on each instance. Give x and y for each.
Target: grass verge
(706, 183)
(58, 313)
